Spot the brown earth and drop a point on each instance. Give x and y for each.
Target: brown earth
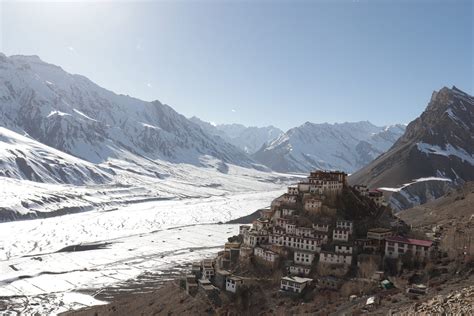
(170, 299)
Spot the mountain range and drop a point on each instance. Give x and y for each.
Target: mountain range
(341, 146)
(74, 115)
(43, 105)
(249, 139)
(58, 127)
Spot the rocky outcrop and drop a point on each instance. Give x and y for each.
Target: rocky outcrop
(460, 302)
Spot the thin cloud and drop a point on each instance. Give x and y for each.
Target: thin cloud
(233, 110)
(149, 85)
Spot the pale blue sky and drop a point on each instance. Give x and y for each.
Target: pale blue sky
(258, 62)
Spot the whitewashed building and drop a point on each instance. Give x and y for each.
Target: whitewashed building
(345, 224)
(379, 233)
(232, 283)
(303, 187)
(295, 242)
(294, 284)
(342, 248)
(243, 229)
(253, 237)
(266, 255)
(207, 266)
(300, 270)
(261, 223)
(397, 246)
(340, 234)
(321, 227)
(303, 257)
(293, 190)
(330, 257)
(377, 196)
(304, 231)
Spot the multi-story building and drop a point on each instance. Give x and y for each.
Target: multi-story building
(362, 189)
(379, 233)
(293, 190)
(303, 257)
(330, 257)
(261, 223)
(304, 231)
(295, 242)
(265, 255)
(321, 227)
(254, 237)
(232, 283)
(397, 246)
(313, 205)
(340, 234)
(300, 270)
(303, 187)
(377, 196)
(345, 224)
(243, 229)
(266, 213)
(294, 284)
(343, 248)
(207, 267)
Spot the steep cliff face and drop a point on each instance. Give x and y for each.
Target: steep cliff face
(439, 143)
(74, 115)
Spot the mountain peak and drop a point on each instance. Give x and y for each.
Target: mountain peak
(436, 144)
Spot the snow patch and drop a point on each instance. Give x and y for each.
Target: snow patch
(388, 189)
(449, 151)
(83, 115)
(59, 113)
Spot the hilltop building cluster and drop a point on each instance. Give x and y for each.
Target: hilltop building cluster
(303, 238)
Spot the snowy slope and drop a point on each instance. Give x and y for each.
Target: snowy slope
(249, 139)
(344, 146)
(24, 158)
(74, 115)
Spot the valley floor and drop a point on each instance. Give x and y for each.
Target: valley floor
(52, 265)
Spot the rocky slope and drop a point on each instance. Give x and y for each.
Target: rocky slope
(74, 115)
(439, 143)
(249, 139)
(455, 206)
(345, 146)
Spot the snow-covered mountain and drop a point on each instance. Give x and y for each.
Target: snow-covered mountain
(249, 139)
(439, 144)
(342, 146)
(24, 158)
(72, 114)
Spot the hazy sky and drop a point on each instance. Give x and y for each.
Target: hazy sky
(257, 62)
